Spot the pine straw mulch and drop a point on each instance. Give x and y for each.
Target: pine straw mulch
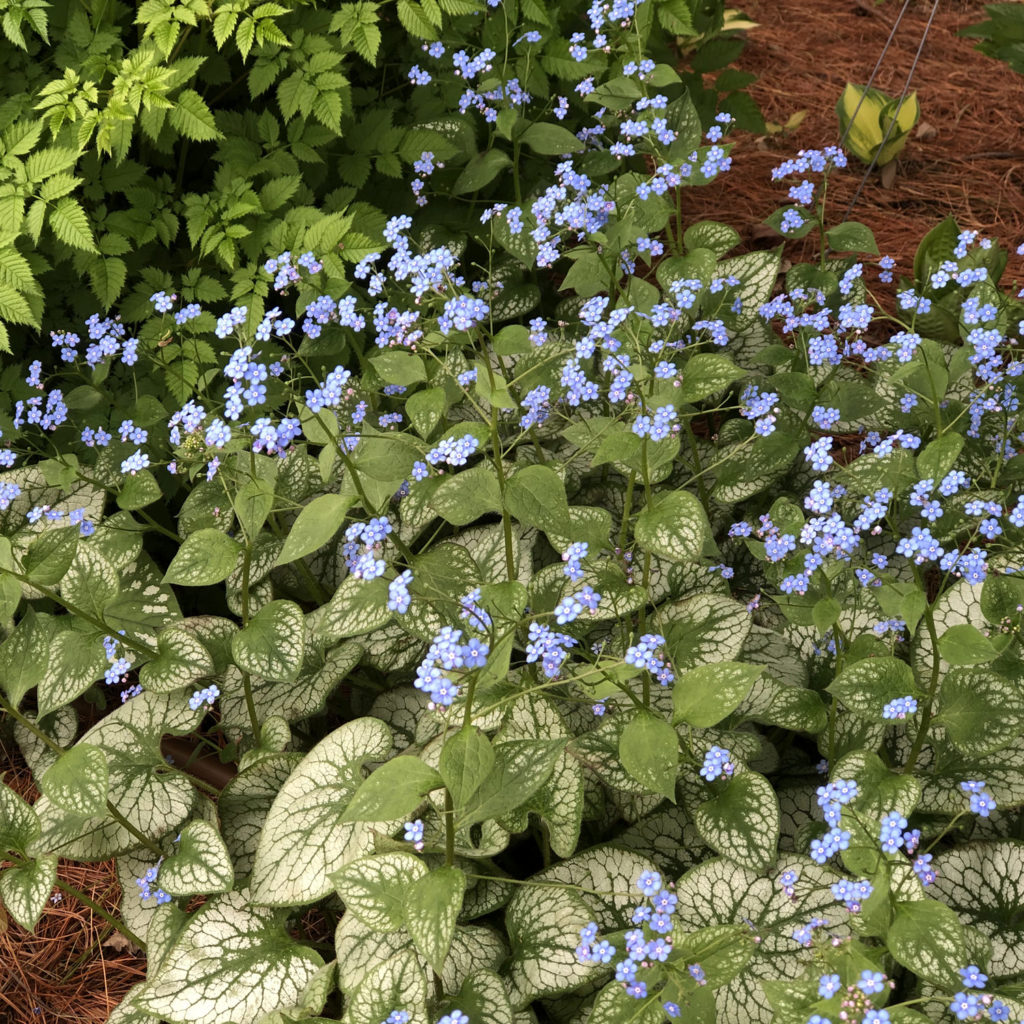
(71, 970)
(967, 158)
(968, 161)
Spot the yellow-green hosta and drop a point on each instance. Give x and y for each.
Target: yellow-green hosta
(865, 127)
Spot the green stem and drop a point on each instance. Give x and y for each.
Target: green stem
(449, 829)
(627, 508)
(926, 711)
(250, 704)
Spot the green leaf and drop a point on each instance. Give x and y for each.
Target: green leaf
(201, 863)
(466, 760)
(981, 711)
(395, 981)
(193, 118)
(231, 962)
(304, 839)
(705, 695)
(78, 781)
(50, 555)
(393, 790)
(314, 526)
(138, 491)
(271, 645)
(649, 751)
(358, 606)
(706, 373)
(252, 504)
(535, 495)
(939, 456)
(743, 821)
(468, 495)
(674, 526)
(19, 825)
(852, 236)
(965, 644)
(24, 655)
(432, 905)
(926, 937)
(374, 888)
(483, 997)
(984, 883)
(25, 890)
(153, 800)
(70, 224)
(868, 685)
(397, 366)
(481, 170)
(75, 661)
(521, 767)
(551, 139)
(205, 557)
(425, 409)
(702, 629)
(183, 658)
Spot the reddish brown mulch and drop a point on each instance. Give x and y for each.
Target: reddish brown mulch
(972, 166)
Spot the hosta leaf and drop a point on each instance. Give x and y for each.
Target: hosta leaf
(927, 937)
(182, 660)
(705, 695)
(271, 644)
(720, 892)
(152, 799)
(24, 890)
(304, 838)
(674, 526)
(232, 962)
(200, 864)
(984, 884)
(78, 781)
(742, 821)
(432, 905)
(374, 888)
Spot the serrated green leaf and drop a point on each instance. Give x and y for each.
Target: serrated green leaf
(70, 224)
(193, 118)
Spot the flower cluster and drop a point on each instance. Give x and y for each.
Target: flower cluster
(446, 654)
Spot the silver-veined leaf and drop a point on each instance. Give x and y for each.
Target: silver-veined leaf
(200, 864)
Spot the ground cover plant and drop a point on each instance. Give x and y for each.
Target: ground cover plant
(601, 628)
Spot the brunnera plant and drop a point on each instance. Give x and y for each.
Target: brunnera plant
(644, 647)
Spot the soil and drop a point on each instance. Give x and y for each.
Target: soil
(967, 159)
